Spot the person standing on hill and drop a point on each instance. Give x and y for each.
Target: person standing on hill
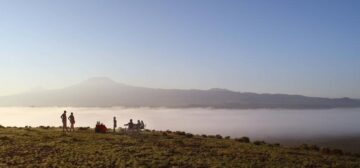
(115, 124)
(72, 121)
(63, 118)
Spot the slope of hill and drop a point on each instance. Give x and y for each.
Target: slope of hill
(103, 92)
(49, 147)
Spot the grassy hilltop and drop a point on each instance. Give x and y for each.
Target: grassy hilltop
(49, 147)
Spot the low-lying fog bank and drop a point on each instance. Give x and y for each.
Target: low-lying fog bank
(332, 127)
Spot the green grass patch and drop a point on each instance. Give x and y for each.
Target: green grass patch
(50, 147)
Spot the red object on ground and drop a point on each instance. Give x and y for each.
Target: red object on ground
(100, 128)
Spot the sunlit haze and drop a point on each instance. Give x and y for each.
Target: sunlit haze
(294, 47)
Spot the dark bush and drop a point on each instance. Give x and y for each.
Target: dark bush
(76, 139)
(204, 136)
(83, 128)
(356, 154)
(259, 143)
(44, 127)
(309, 147)
(331, 151)
(304, 146)
(276, 144)
(314, 148)
(2, 126)
(218, 136)
(227, 137)
(5, 138)
(180, 133)
(325, 150)
(179, 142)
(243, 139)
(188, 135)
(337, 152)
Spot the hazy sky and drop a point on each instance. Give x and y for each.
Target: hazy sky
(298, 47)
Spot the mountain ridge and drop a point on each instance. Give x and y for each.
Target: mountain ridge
(104, 92)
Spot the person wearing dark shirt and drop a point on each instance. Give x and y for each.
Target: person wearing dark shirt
(72, 122)
(63, 118)
(130, 124)
(115, 124)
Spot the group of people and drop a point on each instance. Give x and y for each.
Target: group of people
(64, 119)
(131, 126)
(138, 125)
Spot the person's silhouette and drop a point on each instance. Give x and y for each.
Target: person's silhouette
(142, 124)
(138, 124)
(115, 124)
(130, 124)
(63, 118)
(72, 121)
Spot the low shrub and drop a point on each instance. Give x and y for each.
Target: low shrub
(325, 151)
(314, 148)
(180, 133)
(356, 154)
(204, 136)
(337, 152)
(276, 144)
(75, 139)
(243, 139)
(218, 136)
(83, 128)
(227, 137)
(309, 147)
(2, 126)
(304, 146)
(179, 142)
(329, 151)
(259, 143)
(188, 135)
(5, 138)
(44, 127)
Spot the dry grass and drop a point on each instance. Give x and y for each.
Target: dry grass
(49, 147)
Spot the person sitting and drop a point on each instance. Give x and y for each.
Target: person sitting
(100, 128)
(130, 124)
(142, 124)
(138, 125)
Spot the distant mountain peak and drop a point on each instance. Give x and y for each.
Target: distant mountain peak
(100, 80)
(104, 92)
(219, 89)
